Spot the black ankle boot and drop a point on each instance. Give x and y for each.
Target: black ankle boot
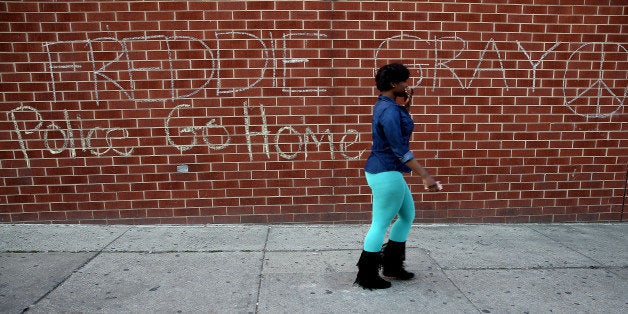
(394, 255)
(368, 271)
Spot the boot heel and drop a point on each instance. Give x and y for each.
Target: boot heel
(394, 256)
(368, 271)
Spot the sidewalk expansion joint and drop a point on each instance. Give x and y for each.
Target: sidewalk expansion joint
(442, 270)
(536, 268)
(566, 246)
(261, 271)
(97, 253)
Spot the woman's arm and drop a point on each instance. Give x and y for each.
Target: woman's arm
(428, 181)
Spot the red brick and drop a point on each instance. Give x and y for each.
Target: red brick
(518, 152)
(24, 217)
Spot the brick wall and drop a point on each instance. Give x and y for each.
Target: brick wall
(258, 111)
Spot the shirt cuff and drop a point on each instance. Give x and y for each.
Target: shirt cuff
(407, 157)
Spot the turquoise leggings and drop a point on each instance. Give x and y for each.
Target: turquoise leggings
(391, 197)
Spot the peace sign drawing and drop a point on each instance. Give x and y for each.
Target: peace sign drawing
(595, 83)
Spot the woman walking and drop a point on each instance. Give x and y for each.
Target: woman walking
(390, 157)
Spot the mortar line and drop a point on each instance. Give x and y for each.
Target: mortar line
(89, 260)
(261, 271)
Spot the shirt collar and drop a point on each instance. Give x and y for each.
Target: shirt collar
(385, 98)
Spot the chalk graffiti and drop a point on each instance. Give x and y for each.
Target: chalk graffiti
(67, 135)
(305, 139)
(599, 88)
(108, 68)
(193, 130)
(599, 85)
(108, 60)
(443, 64)
(536, 64)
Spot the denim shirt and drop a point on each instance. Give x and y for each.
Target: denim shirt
(392, 127)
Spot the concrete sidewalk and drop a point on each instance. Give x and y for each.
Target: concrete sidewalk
(560, 268)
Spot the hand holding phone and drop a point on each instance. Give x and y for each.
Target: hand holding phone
(408, 97)
(438, 186)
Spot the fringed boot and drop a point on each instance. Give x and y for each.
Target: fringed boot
(368, 271)
(394, 256)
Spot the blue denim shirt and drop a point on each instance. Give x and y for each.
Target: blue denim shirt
(392, 127)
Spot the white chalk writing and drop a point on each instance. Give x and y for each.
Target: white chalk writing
(67, 134)
(125, 69)
(601, 85)
(305, 139)
(608, 88)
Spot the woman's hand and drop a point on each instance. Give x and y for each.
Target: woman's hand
(434, 187)
(430, 184)
(407, 99)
